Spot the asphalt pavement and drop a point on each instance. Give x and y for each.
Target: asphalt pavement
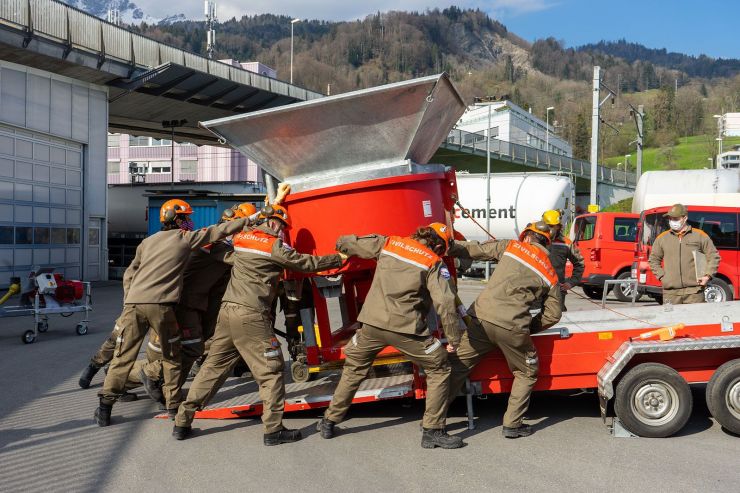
(48, 441)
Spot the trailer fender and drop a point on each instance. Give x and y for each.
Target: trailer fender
(622, 356)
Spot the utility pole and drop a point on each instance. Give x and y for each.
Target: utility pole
(593, 204)
(210, 12)
(292, 23)
(488, 184)
(639, 120)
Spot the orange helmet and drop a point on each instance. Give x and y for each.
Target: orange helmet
(172, 208)
(277, 212)
(540, 227)
(245, 210)
(444, 232)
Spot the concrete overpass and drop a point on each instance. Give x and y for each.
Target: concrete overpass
(467, 151)
(147, 81)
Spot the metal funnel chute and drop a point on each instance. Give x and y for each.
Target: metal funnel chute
(366, 129)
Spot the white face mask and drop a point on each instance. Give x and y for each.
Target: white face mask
(676, 224)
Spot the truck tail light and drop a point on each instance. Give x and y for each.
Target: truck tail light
(595, 255)
(633, 271)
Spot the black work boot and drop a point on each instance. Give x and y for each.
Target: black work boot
(171, 413)
(87, 375)
(151, 387)
(519, 431)
(181, 432)
(325, 427)
(102, 413)
(282, 436)
(128, 397)
(438, 437)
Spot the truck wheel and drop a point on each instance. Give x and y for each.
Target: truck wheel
(723, 395)
(717, 291)
(653, 400)
(593, 292)
(623, 292)
(28, 337)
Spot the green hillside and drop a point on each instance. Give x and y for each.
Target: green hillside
(690, 153)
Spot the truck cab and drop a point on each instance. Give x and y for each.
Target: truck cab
(720, 223)
(606, 241)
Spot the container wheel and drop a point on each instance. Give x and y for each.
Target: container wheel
(42, 326)
(28, 337)
(717, 291)
(299, 372)
(653, 400)
(593, 292)
(723, 395)
(81, 329)
(623, 292)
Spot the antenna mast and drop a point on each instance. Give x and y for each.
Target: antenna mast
(210, 12)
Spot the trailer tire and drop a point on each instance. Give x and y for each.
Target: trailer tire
(81, 329)
(620, 292)
(299, 372)
(42, 326)
(593, 292)
(723, 395)
(653, 400)
(28, 337)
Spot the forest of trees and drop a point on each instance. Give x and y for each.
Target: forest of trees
(680, 93)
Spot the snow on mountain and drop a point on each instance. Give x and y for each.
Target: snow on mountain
(130, 13)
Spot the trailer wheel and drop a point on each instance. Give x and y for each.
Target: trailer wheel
(717, 291)
(299, 372)
(653, 400)
(723, 395)
(42, 326)
(28, 337)
(623, 292)
(593, 292)
(81, 329)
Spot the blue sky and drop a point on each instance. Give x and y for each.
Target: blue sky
(711, 27)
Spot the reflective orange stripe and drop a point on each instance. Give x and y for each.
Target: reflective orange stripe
(410, 251)
(530, 257)
(255, 242)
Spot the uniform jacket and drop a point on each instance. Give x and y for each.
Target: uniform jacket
(562, 250)
(523, 279)
(675, 250)
(204, 273)
(156, 273)
(259, 258)
(409, 279)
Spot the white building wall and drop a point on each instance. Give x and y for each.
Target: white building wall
(52, 174)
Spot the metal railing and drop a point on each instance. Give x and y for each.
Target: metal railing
(76, 29)
(537, 158)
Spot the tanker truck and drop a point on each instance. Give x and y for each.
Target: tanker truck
(516, 199)
(705, 187)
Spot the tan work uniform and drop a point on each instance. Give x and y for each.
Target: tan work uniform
(244, 325)
(523, 278)
(152, 285)
(678, 275)
(562, 250)
(409, 279)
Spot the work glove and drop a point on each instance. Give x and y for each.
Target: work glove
(282, 192)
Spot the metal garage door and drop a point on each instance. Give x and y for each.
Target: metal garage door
(40, 204)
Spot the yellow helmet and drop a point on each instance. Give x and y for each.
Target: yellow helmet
(551, 217)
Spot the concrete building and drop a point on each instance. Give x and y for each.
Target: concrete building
(52, 187)
(729, 159)
(510, 123)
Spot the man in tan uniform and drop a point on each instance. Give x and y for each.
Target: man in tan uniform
(244, 326)
(675, 248)
(523, 278)
(562, 250)
(152, 284)
(409, 278)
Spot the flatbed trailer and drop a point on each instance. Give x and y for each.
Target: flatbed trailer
(596, 349)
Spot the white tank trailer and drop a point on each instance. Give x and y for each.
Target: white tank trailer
(708, 187)
(516, 199)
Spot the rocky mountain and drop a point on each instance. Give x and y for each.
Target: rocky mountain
(129, 12)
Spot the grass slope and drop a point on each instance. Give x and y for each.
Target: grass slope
(690, 153)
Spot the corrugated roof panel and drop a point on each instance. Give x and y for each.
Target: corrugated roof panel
(117, 42)
(240, 76)
(218, 68)
(49, 18)
(146, 51)
(14, 12)
(84, 30)
(196, 62)
(171, 54)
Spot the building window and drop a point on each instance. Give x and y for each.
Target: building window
(73, 236)
(6, 235)
(159, 168)
(189, 166)
(138, 141)
(93, 236)
(114, 140)
(114, 166)
(161, 142)
(58, 236)
(41, 236)
(23, 235)
(494, 132)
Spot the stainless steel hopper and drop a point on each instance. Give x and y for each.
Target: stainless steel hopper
(388, 130)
